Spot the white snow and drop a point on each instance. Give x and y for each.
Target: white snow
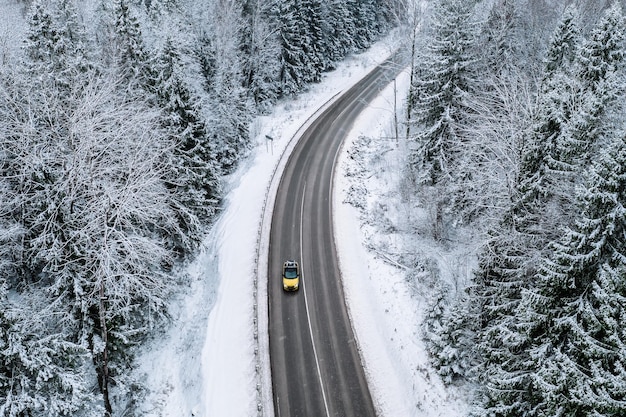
(211, 362)
(12, 29)
(386, 312)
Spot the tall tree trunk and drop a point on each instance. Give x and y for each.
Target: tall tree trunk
(104, 365)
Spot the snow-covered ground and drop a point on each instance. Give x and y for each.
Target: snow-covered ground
(385, 306)
(214, 362)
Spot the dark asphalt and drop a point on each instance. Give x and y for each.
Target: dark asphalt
(316, 367)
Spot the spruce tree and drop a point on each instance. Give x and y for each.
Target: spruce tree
(340, 29)
(507, 263)
(131, 58)
(79, 59)
(230, 105)
(506, 268)
(598, 72)
(328, 42)
(193, 159)
(44, 369)
(440, 89)
(521, 233)
(564, 43)
(555, 96)
(260, 53)
(364, 17)
(43, 42)
(293, 75)
(57, 49)
(449, 334)
(501, 37)
(310, 12)
(570, 317)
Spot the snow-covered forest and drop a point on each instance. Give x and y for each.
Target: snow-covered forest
(517, 136)
(118, 122)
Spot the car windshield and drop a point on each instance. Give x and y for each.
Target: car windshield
(291, 273)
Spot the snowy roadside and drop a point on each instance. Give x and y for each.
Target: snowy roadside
(387, 308)
(208, 363)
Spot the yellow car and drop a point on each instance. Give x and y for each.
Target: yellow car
(291, 276)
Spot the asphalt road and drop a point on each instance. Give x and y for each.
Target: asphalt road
(316, 367)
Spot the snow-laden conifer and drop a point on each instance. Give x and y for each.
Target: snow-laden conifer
(445, 79)
(364, 18)
(508, 260)
(449, 335)
(340, 27)
(570, 317)
(314, 39)
(293, 74)
(130, 55)
(504, 49)
(231, 109)
(44, 368)
(261, 51)
(57, 48)
(554, 99)
(597, 73)
(194, 164)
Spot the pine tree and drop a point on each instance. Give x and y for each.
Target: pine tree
(196, 171)
(507, 264)
(293, 75)
(229, 102)
(260, 52)
(598, 83)
(131, 58)
(43, 369)
(577, 356)
(440, 91)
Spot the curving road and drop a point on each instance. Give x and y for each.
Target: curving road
(315, 363)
